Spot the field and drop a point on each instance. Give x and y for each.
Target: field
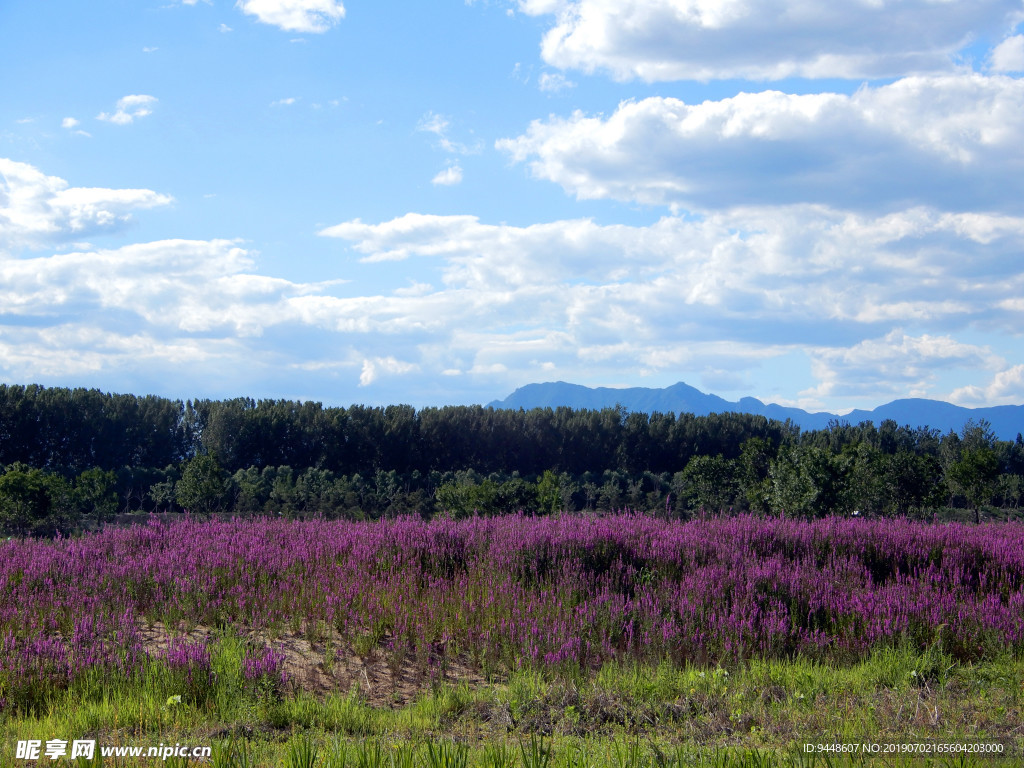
(569, 640)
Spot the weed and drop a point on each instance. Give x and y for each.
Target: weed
(369, 754)
(538, 754)
(447, 754)
(302, 752)
(498, 755)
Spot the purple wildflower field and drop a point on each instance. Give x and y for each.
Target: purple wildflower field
(566, 590)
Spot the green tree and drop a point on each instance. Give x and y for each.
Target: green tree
(752, 473)
(95, 492)
(1011, 490)
(315, 492)
(282, 491)
(162, 495)
(707, 482)
(516, 495)
(912, 482)
(867, 478)
(809, 482)
(975, 472)
(203, 486)
(975, 475)
(554, 493)
(252, 490)
(467, 494)
(33, 502)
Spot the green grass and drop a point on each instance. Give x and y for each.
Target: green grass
(621, 716)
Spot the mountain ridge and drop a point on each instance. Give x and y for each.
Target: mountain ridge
(1007, 420)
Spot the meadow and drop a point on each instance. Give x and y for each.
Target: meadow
(620, 640)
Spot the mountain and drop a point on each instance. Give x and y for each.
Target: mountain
(1007, 420)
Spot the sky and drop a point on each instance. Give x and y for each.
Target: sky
(818, 204)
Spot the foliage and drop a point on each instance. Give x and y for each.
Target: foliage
(202, 487)
(34, 502)
(124, 454)
(95, 493)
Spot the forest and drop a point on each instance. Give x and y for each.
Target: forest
(73, 459)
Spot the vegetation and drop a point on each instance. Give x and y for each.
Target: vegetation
(69, 459)
(759, 716)
(493, 629)
(562, 641)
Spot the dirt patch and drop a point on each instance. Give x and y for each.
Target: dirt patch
(331, 665)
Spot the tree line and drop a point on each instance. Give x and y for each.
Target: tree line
(72, 457)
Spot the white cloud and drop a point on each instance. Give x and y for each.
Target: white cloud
(70, 124)
(951, 141)
(881, 303)
(171, 289)
(77, 350)
(224, 28)
(1005, 388)
(440, 127)
(893, 365)
(372, 369)
(713, 294)
(553, 82)
(434, 123)
(37, 210)
(449, 176)
(1008, 56)
(570, 299)
(793, 244)
(490, 369)
(129, 108)
(295, 15)
(283, 102)
(658, 40)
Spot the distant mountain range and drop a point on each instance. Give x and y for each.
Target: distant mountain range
(1007, 420)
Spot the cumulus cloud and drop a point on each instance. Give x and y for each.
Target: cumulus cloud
(1005, 388)
(894, 364)
(719, 254)
(295, 15)
(449, 176)
(553, 82)
(440, 127)
(714, 293)
(79, 350)
(37, 210)
(659, 40)
(866, 298)
(372, 369)
(1008, 56)
(71, 124)
(434, 123)
(129, 108)
(176, 283)
(197, 302)
(950, 141)
(879, 302)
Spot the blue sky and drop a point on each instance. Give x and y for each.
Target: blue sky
(817, 204)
